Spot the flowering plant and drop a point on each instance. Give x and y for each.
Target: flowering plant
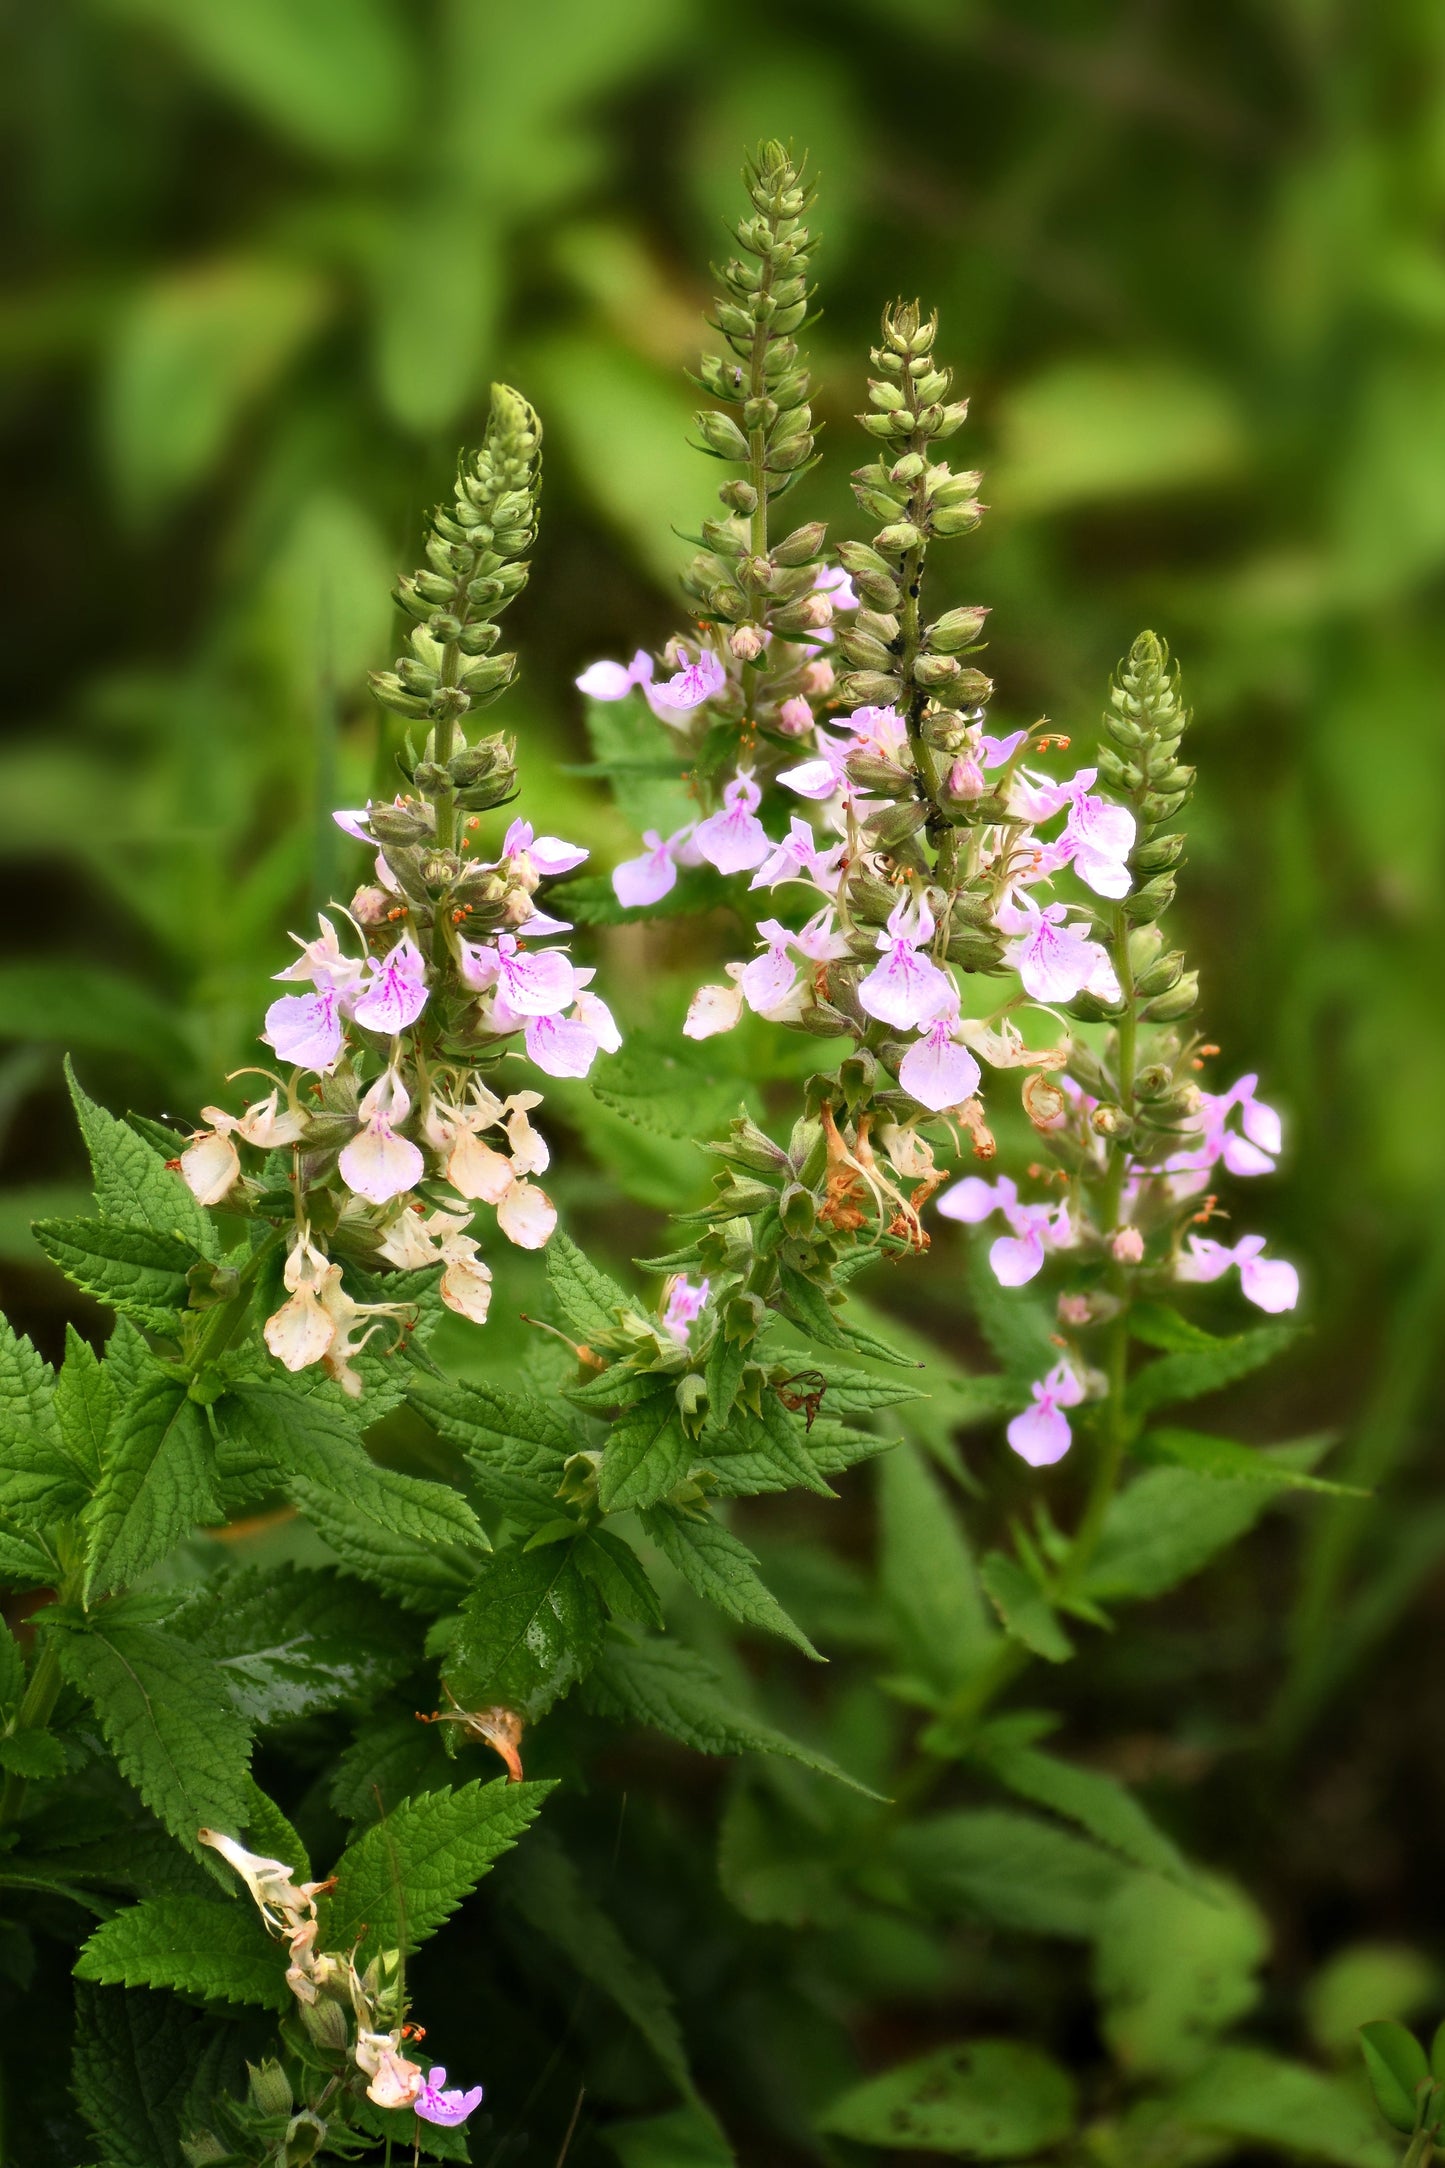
(968, 942)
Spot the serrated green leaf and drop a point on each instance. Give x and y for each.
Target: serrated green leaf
(39, 1478)
(198, 1945)
(668, 1086)
(724, 1572)
(1010, 1869)
(587, 1298)
(268, 1832)
(26, 1562)
(1168, 1523)
(677, 1692)
(809, 1308)
(858, 1392)
(1174, 1968)
(1161, 1326)
(133, 1184)
(1025, 1611)
(132, 1269)
(390, 1759)
(35, 1755)
(621, 1578)
(406, 1875)
(141, 2059)
(982, 2100)
(527, 1632)
(647, 1454)
(157, 1483)
(1261, 2099)
(1095, 1801)
(515, 1443)
(1195, 1370)
(927, 1574)
(289, 1642)
(768, 1452)
(557, 1902)
(1226, 1460)
(647, 784)
(84, 1403)
(175, 1733)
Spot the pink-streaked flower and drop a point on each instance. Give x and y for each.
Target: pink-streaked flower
(540, 983)
(1017, 1257)
(834, 582)
(590, 1009)
(879, 731)
(1055, 961)
(304, 1030)
(435, 2103)
(302, 1330)
(907, 989)
(770, 980)
(527, 1216)
(395, 993)
(734, 840)
(1041, 1434)
(687, 688)
(823, 776)
(1252, 1153)
(1270, 1283)
(711, 1010)
(615, 680)
(395, 2082)
(323, 962)
(1098, 837)
(798, 858)
(648, 878)
(546, 855)
(560, 1045)
(683, 1306)
(937, 1071)
(379, 1165)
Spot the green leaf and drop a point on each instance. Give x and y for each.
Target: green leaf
(198, 1945)
(587, 1298)
(675, 1691)
(132, 1181)
(1368, 1980)
(648, 1453)
(289, 1643)
(141, 2060)
(1397, 2065)
(556, 1900)
(927, 1573)
(621, 1578)
(984, 2100)
(390, 1759)
(405, 1876)
(84, 1403)
(1096, 1802)
(527, 1633)
(684, 2138)
(515, 1443)
(592, 901)
(1026, 1612)
(1174, 1968)
(35, 1755)
(1245, 2094)
(156, 1484)
(1165, 1526)
(724, 1572)
(808, 1307)
(858, 1392)
(39, 1478)
(25, 1561)
(1195, 1371)
(649, 790)
(669, 1086)
(772, 1452)
(1011, 1870)
(12, 1669)
(73, 1004)
(1160, 1326)
(1017, 1327)
(1223, 1459)
(173, 1729)
(132, 1269)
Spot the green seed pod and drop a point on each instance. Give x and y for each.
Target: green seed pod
(798, 1211)
(269, 2089)
(1168, 1008)
(869, 688)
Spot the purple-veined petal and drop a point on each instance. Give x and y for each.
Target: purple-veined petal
(305, 1029)
(560, 1046)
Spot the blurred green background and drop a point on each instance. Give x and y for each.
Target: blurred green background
(1189, 263)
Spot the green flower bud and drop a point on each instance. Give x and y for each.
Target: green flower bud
(269, 2089)
(956, 629)
(798, 1211)
(950, 520)
(1167, 1008)
(869, 688)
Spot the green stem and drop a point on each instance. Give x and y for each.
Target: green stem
(225, 1320)
(1421, 2150)
(36, 1708)
(446, 804)
(941, 831)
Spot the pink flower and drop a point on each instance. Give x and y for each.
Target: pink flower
(877, 730)
(1056, 962)
(795, 717)
(1268, 1282)
(711, 1010)
(822, 777)
(734, 840)
(396, 992)
(542, 984)
(615, 680)
(434, 2105)
(323, 961)
(688, 688)
(546, 854)
(1041, 1435)
(305, 1029)
(683, 1306)
(560, 1045)
(833, 581)
(644, 880)
(936, 1070)
(378, 1165)
(770, 980)
(1098, 837)
(1017, 1257)
(526, 1216)
(798, 858)
(906, 989)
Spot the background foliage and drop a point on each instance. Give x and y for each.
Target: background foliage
(1189, 264)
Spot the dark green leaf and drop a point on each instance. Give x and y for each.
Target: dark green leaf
(133, 1269)
(140, 2060)
(621, 1578)
(928, 1577)
(1196, 1370)
(156, 1484)
(1223, 1459)
(1011, 1870)
(1397, 2067)
(1260, 2099)
(84, 1403)
(1098, 1803)
(527, 1633)
(199, 1945)
(289, 1643)
(648, 1453)
(724, 1572)
(133, 1184)
(587, 1298)
(1026, 1612)
(39, 1477)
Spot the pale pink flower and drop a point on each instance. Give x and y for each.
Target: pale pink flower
(907, 989)
(560, 1045)
(798, 858)
(540, 983)
(305, 1029)
(937, 1071)
(546, 855)
(1056, 962)
(323, 962)
(688, 688)
(301, 1331)
(615, 680)
(734, 840)
(1270, 1283)
(395, 994)
(795, 717)
(1016, 1257)
(683, 1306)
(1041, 1435)
(447, 2107)
(210, 1166)
(527, 1216)
(647, 879)
(711, 1010)
(379, 1165)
